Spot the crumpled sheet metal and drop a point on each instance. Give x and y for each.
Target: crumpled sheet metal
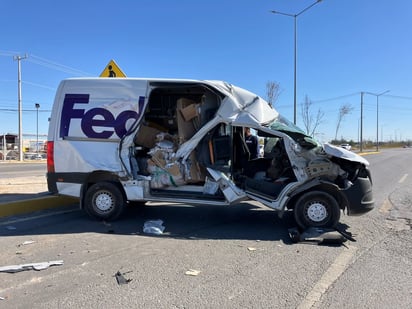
(30, 266)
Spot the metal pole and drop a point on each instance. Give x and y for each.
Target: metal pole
(361, 125)
(4, 147)
(377, 123)
(19, 58)
(295, 16)
(294, 75)
(377, 118)
(37, 128)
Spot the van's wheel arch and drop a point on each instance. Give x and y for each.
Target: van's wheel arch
(316, 209)
(104, 201)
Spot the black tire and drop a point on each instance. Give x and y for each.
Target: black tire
(317, 209)
(104, 201)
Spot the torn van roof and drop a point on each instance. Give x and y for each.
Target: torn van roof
(242, 107)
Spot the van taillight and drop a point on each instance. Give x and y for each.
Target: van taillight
(50, 157)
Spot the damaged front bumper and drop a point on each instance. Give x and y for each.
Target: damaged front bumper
(360, 196)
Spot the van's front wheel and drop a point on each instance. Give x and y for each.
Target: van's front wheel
(104, 201)
(317, 209)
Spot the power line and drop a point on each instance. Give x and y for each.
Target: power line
(398, 97)
(24, 110)
(57, 66)
(39, 85)
(336, 98)
(8, 53)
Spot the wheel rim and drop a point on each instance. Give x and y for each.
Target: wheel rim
(104, 202)
(317, 212)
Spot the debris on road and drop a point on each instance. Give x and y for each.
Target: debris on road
(121, 279)
(27, 242)
(192, 272)
(153, 227)
(319, 236)
(31, 266)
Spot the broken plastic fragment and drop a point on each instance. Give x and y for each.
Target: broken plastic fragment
(31, 266)
(153, 227)
(251, 248)
(192, 272)
(317, 236)
(121, 279)
(27, 242)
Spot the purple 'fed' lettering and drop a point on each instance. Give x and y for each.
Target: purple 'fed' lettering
(89, 120)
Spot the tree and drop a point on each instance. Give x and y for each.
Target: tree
(272, 92)
(344, 110)
(310, 121)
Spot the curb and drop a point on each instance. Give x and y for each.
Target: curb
(35, 204)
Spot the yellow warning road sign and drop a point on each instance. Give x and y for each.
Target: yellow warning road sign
(112, 70)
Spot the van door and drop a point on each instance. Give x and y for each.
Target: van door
(265, 177)
(232, 193)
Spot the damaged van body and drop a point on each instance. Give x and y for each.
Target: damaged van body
(116, 140)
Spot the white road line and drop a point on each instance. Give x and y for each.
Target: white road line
(54, 213)
(329, 277)
(403, 178)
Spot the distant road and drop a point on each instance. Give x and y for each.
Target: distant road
(13, 170)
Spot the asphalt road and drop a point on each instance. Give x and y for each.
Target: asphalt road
(243, 256)
(27, 168)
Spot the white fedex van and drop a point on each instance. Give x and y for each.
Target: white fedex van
(116, 140)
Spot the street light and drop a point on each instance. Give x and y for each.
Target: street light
(37, 129)
(377, 118)
(377, 115)
(295, 16)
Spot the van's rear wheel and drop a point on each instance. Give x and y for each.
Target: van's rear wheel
(104, 201)
(317, 209)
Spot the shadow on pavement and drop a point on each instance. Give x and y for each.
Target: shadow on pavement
(13, 197)
(244, 221)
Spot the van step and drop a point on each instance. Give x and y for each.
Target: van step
(186, 194)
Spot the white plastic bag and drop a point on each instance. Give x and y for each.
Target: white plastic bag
(153, 227)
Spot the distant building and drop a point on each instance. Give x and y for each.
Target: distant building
(9, 145)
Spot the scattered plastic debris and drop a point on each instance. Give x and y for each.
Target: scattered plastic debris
(192, 272)
(319, 236)
(27, 242)
(251, 248)
(153, 227)
(31, 266)
(2, 298)
(121, 279)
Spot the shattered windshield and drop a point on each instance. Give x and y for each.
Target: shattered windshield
(283, 125)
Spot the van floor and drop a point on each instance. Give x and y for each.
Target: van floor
(187, 192)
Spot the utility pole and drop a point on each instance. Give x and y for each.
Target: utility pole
(361, 124)
(37, 128)
(18, 59)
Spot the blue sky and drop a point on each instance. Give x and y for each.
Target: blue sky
(344, 48)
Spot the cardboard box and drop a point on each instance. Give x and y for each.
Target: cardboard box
(146, 136)
(190, 112)
(185, 129)
(158, 158)
(194, 172)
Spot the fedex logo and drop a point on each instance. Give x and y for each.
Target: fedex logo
(96, 122)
